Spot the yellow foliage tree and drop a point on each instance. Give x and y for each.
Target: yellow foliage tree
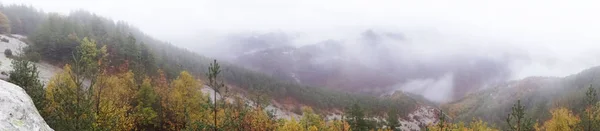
(562, 120)
(460, 127)
(114, 95)
(66, 109)
(4, 24)
(290, 125)
(338, 125)
(384, 129)
(310, 119)
(479, 125)
(186, 101)
(260, 121)
(475, 125)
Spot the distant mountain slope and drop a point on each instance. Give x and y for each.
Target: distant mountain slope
(538, 94)
(374, 62)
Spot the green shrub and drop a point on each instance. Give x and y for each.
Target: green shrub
(8, 53)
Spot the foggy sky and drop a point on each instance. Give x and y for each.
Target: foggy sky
(557, 38)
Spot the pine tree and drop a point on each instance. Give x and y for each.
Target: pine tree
(442, 124)
(392, 120)
(356, 118)
(26, 75)
(145, 113)
(589, 114)
(213, 74)
(517, 121)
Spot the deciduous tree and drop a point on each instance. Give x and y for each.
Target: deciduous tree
(311, 120)
(4, 24)
(562, 120)
(186, 101)
(64, 110)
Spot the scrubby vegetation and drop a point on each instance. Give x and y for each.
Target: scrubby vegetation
(8, 53)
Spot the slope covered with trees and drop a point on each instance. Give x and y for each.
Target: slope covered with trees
(57, 37)
(117, 78)
(572, 100)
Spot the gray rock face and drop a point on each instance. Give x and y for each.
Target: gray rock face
(17, 111)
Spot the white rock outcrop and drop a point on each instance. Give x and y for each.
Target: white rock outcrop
(424, 115)
(17, 112)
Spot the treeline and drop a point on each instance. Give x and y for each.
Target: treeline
(23, 19)
(56, 37)
(561, 119)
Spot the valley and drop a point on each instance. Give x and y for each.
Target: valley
(86, 71)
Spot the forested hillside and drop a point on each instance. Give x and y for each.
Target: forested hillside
(383, 60)
(57, 37)
(117, 78)
(551, 103)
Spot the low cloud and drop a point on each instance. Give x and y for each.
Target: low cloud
(435, 89)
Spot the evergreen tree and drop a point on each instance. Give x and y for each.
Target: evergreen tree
(442, 124)
(392, 120)
(26, 75)
(591, 97)
(145, 113)
(213, 73)
(356, 118)
(589, 114)
(517, 121)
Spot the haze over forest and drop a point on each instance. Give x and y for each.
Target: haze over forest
(553, 36)
(448, 52)
(520, 38)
